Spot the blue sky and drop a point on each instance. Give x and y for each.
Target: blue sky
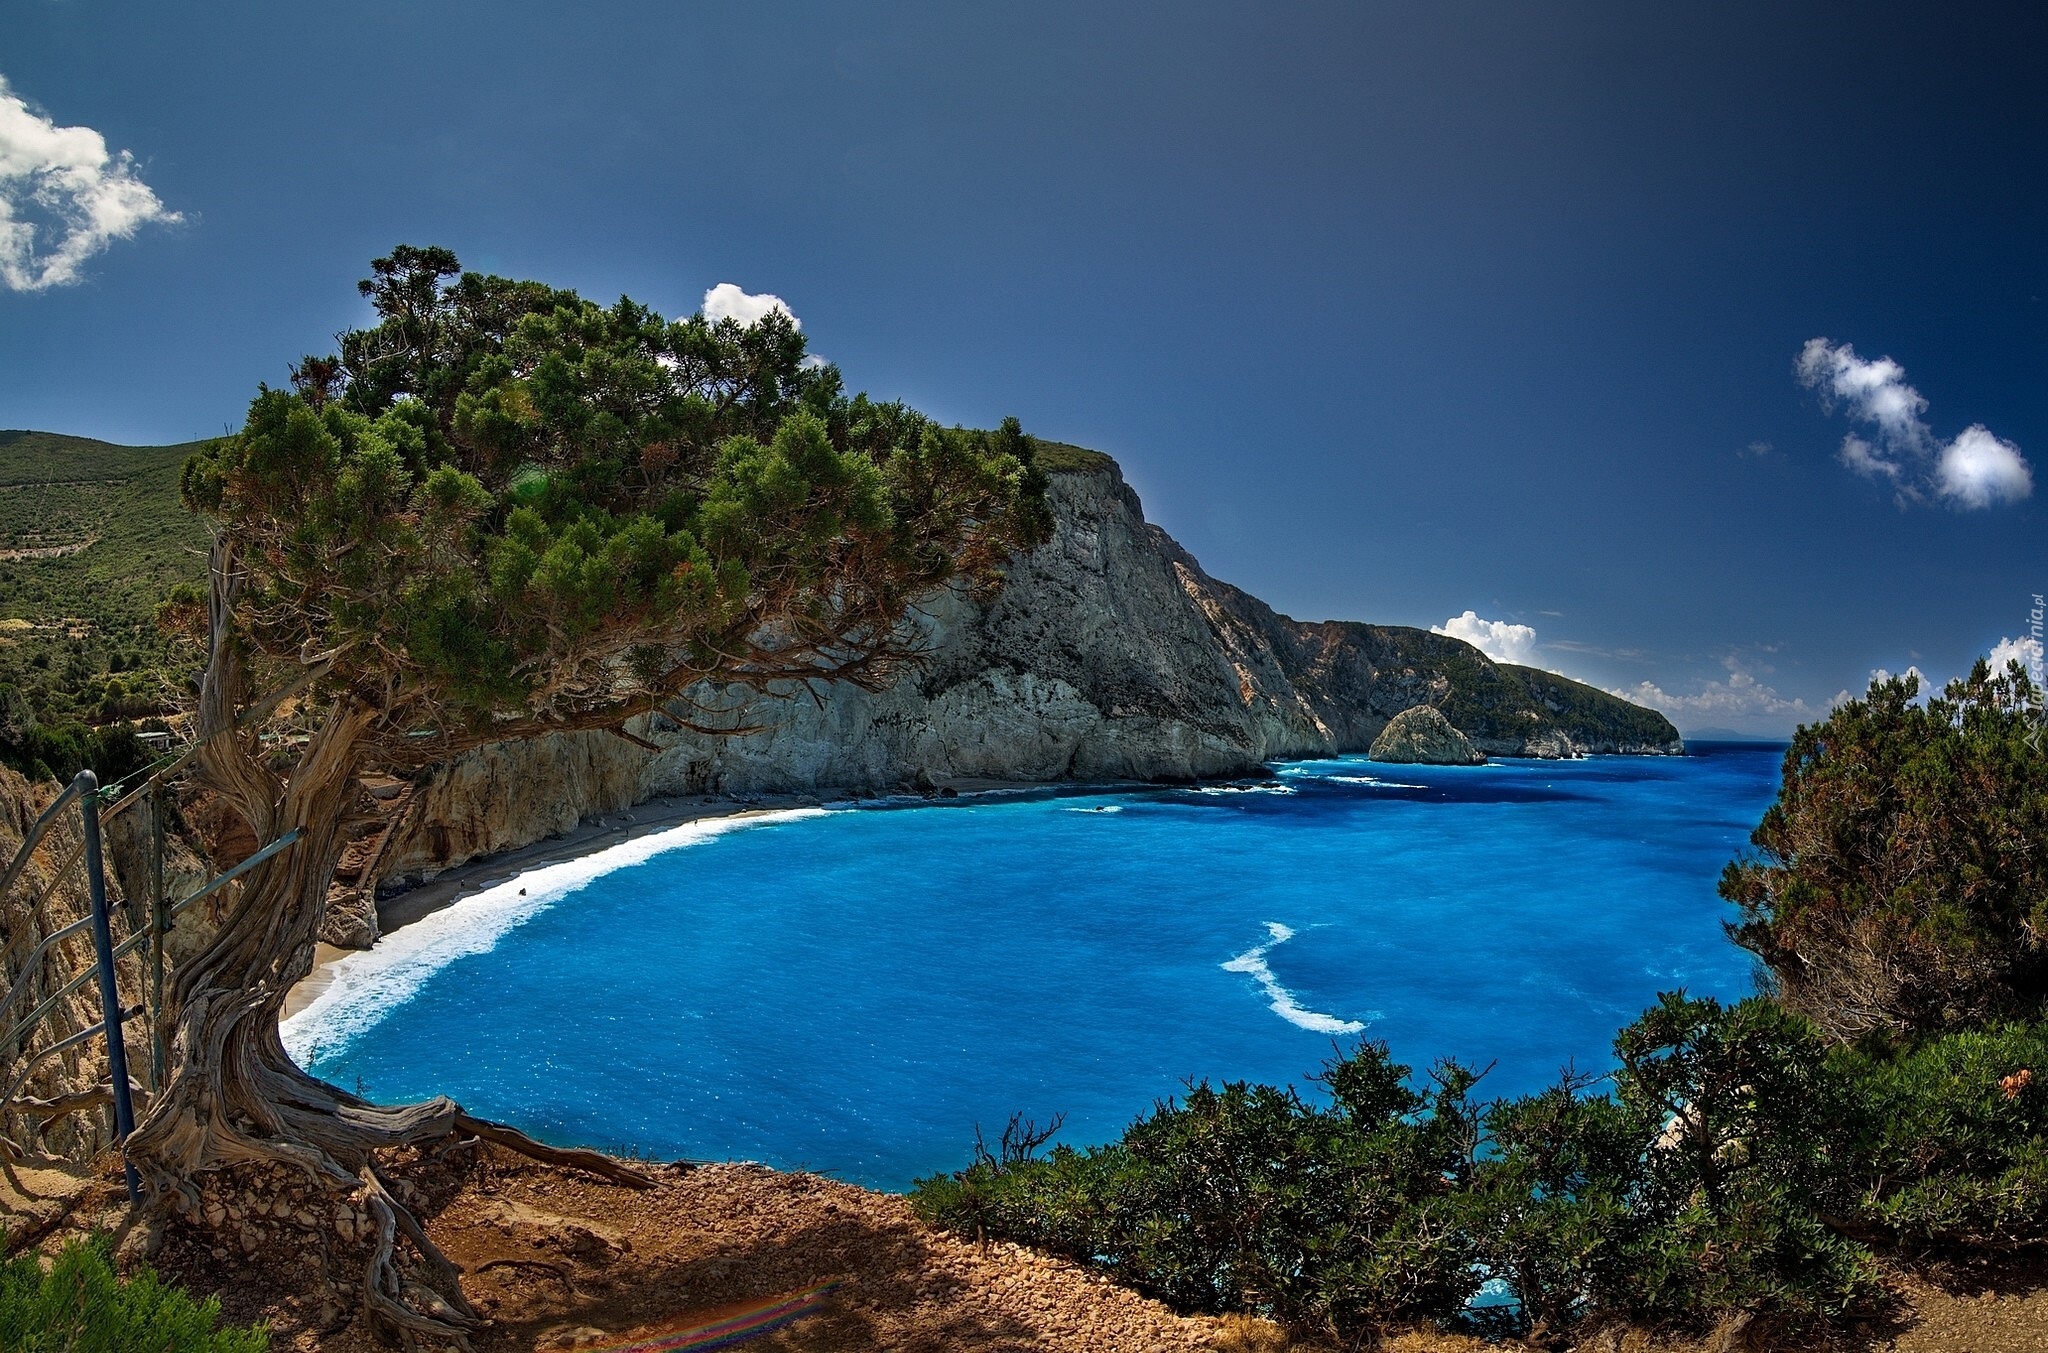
(1390, 312)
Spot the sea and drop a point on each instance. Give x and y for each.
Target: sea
(855, 990)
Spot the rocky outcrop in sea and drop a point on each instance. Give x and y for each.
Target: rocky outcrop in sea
(1423, 736)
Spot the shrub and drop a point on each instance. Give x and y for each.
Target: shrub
(1953, 1148)
(1753, 1134)
(1700, 1188)
(1550, 1204)
(1336, 1220)
(79, 1304)
(1899, 885)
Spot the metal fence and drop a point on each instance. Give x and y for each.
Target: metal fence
(37, 1009)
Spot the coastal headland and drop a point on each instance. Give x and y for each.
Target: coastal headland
(1108, 655)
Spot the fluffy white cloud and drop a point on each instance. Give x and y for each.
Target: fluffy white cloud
(2025, 652)
(1500, 640)
(63, 197)
(727, 301)
(1927, 686)
(1740, 700)
(1976, 470)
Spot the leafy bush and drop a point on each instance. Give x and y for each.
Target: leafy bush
(1953, 1145)
(81, 1305)
(1752, 1131)
(1333, 1219)
(1899, 885)
(59, 752)
(1700, 1187)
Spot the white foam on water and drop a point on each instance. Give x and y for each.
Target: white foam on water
(367, 986)
(1373, 781)
(1253, 963)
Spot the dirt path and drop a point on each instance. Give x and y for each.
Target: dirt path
(559, 1261)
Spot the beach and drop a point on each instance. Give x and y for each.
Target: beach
(597, 832)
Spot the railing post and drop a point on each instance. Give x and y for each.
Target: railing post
(159, 934)
(110, 996)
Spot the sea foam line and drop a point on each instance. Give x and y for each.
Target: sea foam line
(1253, 962)
(368, 985)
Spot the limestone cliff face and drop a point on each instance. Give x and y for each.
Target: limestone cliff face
(1109, 654)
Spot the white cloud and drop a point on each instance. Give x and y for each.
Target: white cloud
(2025, 652)
(63, 197)
(727, 301)
(1739, 701)
(1500, 640)
(1878, 674)
(1976, 470)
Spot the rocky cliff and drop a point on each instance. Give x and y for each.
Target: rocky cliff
(1109, 654)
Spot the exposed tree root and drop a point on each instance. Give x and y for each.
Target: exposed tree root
(409, 1290)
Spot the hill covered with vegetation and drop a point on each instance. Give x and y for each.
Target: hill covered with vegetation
(92, 538)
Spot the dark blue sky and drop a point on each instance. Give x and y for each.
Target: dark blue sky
(1390, 312)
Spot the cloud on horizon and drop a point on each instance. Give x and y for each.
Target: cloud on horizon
(728, 301)
(63, 197)
(1501, 640)
(1736, 700)
(1978, 469)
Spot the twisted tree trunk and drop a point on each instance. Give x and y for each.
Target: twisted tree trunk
(233, 1097)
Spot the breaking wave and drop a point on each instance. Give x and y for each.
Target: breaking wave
(1253, 963)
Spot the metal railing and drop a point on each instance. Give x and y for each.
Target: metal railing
(44, 968)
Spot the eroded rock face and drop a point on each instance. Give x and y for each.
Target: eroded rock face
(1423, 736)
(1109, 654)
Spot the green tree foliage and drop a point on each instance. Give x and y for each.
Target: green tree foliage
(80, 1304)
(1729, 1196)
(43, 751)
(1900, 881)
(505, 502)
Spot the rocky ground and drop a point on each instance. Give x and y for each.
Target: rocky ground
(560, 1261)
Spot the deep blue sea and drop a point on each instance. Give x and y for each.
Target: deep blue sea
(851, 991)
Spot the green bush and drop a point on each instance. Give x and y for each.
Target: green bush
(60, 751)
(1333, 1219)
(1898, 884)
(1702, 1186)
(1953, 1146)
(1752, 1136)
(80, 1304)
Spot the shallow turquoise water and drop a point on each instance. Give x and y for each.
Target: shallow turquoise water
(852, 991)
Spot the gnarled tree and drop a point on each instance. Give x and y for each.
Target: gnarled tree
(505, 511)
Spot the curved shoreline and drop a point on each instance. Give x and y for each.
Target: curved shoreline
(604, 831)
(588, 837)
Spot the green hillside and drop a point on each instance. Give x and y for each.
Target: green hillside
(92, 536)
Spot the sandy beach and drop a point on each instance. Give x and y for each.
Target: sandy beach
(589, 836)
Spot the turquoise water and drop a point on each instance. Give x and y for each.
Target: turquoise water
(853, 991)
